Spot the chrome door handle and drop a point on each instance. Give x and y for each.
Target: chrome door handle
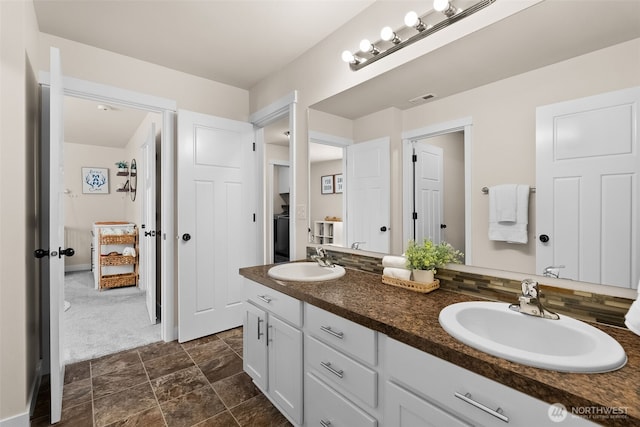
(337, 372)
(264, 298)
(324, 423)
(260, 333)
(330, 331)
(496, 413)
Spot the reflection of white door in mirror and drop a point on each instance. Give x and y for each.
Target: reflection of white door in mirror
(587, 188)
(368, 195)
(427, 192)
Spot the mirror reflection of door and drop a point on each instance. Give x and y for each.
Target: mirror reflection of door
(438, 189)
(587, 188)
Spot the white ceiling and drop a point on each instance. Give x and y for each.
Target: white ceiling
(236, 35)
(229, 41)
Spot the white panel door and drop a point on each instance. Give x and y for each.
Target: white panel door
(216, 221)
(148, 232)
(587, 188)
(368, 195)
(56, 234)
(428, 192)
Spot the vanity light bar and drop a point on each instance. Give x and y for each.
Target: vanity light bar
(357, 63)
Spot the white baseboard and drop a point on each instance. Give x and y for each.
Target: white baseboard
(77, 267)
(20, 420)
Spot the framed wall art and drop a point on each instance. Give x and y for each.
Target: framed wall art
(95, 180)
(326, 183)
(339, 183)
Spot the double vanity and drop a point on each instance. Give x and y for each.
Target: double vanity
(337, 347)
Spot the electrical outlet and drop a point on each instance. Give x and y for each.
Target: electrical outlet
(301, 212)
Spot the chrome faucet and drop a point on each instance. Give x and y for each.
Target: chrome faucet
(530, 301)
(356, 245)
(322, 258)
(552, 271)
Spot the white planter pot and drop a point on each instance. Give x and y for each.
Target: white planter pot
(125, 170)
(423, 276)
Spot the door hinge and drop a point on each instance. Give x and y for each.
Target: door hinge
(254, 217)
(414, 158)
(254, 146)
(415, 215)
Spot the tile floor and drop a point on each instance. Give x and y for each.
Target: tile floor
(198, 383)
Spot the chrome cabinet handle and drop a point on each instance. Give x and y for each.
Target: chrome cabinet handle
(496, 413)
(324, 423)
(264, 298)
(260, 333)
(330, 331)
(334, 371)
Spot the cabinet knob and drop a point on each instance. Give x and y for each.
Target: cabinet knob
(544, 238)
(186, 237)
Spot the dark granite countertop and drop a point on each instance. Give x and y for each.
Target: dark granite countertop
(412, 318)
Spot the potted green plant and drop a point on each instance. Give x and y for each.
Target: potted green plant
(122, 166)
(424, 259)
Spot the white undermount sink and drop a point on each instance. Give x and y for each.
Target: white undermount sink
(566, 345)
(305, 272)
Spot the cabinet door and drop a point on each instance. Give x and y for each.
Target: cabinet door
(254, 353)
(285, 367)
(405, 409)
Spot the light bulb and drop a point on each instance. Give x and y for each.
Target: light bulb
(365, 45)
(348, 57)
(411, 19)
(387, 34)
(441, 5)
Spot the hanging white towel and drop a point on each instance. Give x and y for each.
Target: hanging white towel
(509, 231)
(632, 318)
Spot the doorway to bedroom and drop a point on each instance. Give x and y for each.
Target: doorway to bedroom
(112, 303)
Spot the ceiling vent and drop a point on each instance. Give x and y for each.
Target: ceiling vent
(423, 98)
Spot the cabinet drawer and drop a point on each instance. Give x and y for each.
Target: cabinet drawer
(325, 405)
(341, 371)
(283, 306)
(439, 381)
(343, 334)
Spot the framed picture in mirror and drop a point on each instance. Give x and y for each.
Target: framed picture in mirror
(326, 184)
(338, 182)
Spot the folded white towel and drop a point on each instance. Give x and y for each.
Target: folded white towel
(632, 318)
(394, 261)
(512, 232)
(398, 273)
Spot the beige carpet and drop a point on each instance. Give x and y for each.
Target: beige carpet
(103, 322)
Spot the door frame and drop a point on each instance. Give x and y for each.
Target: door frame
(464, 124)
(316, 137)
(260, 119)
(271, 185)
(167, 108)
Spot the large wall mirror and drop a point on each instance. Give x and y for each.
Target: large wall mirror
(493, 81)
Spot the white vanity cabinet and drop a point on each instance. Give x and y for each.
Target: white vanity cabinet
(341, 372)
(272, 347)
(423, 390)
